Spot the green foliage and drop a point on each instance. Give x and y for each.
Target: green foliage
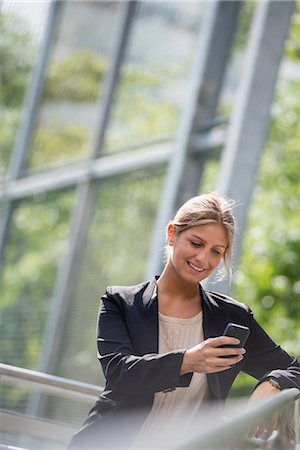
(56, 143)
(15, 65)
(118, 243)
(293, 46)
(36, 244)
(268, 278)
(119, 235)
(269, 275)
(79, 77)
(9, 123)
(15, 68)
(141, 109)
(244, 24)
(76, 77)
(155, 119)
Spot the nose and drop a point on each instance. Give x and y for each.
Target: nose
(202, 258)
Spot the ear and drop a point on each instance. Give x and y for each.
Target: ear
(171, 234)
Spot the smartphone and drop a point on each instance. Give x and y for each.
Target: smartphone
(238, 331)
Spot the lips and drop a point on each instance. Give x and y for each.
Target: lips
(196, 268)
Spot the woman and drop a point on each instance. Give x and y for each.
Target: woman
(160, 343)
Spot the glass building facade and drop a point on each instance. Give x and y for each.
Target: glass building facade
(94, 97)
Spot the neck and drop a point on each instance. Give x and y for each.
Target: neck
(169, 284)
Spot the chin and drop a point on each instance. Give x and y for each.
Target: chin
(194, 279)
(202, 278)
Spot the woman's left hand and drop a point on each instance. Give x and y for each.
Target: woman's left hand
(264, 390)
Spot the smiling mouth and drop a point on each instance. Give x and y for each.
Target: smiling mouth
(197, 269)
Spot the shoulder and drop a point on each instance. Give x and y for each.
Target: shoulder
(225, 301)
(125, 293)
(126, 290)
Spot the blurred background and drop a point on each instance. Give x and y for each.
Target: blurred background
(114, 113)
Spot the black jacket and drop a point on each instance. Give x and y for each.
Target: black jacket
(127, 340)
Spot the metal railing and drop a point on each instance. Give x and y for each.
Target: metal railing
(48, 384)
(36, 427)
(229, 434)
(233, 432)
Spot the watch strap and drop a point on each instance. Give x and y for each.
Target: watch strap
(274, 383)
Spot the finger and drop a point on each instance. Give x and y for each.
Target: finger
(225, 358)
(223, 340)
(228, 354)
(219, 364)
(228, 351)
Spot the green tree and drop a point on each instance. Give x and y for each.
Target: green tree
(15, 65)
(268, 278)
(16, 60)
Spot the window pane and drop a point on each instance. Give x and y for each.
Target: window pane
(21, 30)
(155, 74)
(234, 67)
(79, 60)
(118, 243)
(36, 244)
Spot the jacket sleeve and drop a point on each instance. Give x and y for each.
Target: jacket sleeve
(125, 371)
(267, 360)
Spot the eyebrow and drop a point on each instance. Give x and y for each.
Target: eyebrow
(203, 240)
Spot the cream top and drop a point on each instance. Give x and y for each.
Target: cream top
(183, 403)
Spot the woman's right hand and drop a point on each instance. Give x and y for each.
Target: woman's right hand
(208, 357)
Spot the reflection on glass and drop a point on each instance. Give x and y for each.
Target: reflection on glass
(209, 177)
(118, 243)
(19, 46)
(79, 60)
(37, 242)
(237, 57)
(155, 74)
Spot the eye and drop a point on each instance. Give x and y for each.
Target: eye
(217, 252)
(196, 244)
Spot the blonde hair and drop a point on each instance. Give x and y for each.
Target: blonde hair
(204, 209)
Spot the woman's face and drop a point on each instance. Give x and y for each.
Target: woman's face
(197, 251)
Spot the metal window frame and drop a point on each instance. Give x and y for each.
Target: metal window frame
(152, 154)
(69, 266)
(245, 144)
(214, 44)
(31, 102)
(196, 137)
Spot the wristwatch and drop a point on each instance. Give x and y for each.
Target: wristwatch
(274, 383)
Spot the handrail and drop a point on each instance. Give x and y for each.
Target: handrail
(228, 430)
(10, 447)
(47, 383)
(36, 427)
(212, 438)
